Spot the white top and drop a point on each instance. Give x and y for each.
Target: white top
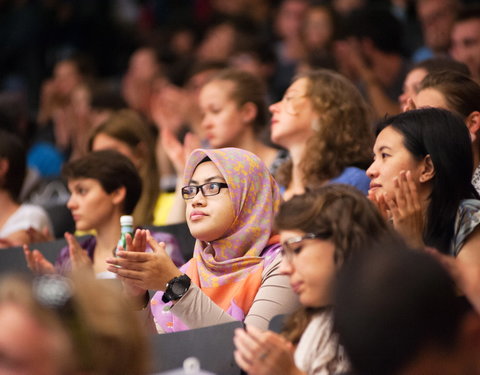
(318, 352)
(26, 216)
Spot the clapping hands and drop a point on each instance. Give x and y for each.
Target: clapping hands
(140, 270)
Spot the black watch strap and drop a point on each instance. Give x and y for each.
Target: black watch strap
(176, 288)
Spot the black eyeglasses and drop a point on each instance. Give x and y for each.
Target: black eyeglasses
(289, 247)
(208, 189)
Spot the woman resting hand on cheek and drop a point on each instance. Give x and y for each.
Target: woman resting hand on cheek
(320, 231)
(421, 180)
(231, 201)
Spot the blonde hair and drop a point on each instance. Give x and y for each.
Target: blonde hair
(128, 127)
(343, 134)
(111, 339)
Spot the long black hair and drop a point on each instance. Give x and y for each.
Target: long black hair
(444, 136)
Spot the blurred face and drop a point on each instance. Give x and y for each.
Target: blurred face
(411, 85)
(91, 206)
(290, 17)
(318, 28)
(437, 18)
(292, 117)
(466, 44)
(66, 77)
(390, 158)
(209, 217)
(143, 64)
(26, 348)
(311, 268)
(223, 123)
(430, 97)
(218, 43)
(103, 141)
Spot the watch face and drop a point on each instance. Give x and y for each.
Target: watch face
(178, 288)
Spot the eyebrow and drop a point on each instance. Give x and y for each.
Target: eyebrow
(381, 148)
(207, 180)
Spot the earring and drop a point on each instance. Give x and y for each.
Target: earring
(316, 124)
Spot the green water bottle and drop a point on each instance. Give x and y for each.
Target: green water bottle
(126, 223)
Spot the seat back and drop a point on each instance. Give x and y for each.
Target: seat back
(12, 259)
(212, 346)
(181, 233)
(277, 323)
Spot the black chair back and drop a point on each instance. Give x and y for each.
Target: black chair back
(277, 323)
(212, 346)
(12, 259)
(181, 233)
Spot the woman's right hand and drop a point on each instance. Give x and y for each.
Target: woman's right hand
(36, 262)
(137, 244)
(406, 210)
(145, 270)
(380, 202)
(176, 152)
(264, 352)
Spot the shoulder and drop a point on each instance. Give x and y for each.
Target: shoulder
(24, 217)
(466, 222)
(355, 177)
(29, 210)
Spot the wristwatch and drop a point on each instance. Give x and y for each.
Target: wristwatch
(176, 288)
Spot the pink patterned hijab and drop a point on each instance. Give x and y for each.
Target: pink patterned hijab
(256, 198)
(229, 270)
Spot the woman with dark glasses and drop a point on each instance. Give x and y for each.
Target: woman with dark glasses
(320, 231)
(231, 200)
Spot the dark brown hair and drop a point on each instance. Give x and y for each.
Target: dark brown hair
(341, 210)
(112, 170)
(13, 150)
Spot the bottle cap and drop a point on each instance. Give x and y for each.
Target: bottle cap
(126, 220)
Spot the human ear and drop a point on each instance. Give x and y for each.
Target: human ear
(428, 169)
(248, 112)
(140, 152)
(4, 165)
(316, 124)
(469, 333)
(473, 124)
(119, 195)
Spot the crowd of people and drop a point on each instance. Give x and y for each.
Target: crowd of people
(325, 156)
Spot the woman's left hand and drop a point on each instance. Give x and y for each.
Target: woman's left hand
(264, 352)
(406, 210)
(146, 270)
(78, 256)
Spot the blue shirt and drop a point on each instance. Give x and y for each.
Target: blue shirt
(355, 177)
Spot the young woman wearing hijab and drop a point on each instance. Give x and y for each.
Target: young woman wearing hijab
(231, 203)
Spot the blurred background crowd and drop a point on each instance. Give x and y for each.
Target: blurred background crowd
(64, 64)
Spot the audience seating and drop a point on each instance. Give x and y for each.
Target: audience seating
(182, 234)
(277, 323)
(13, 260)
(61, 219)
(212, 346)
